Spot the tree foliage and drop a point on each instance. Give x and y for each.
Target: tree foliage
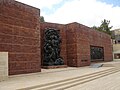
(42, 19)
(104, 27)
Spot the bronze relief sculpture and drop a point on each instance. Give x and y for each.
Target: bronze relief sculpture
(52, 41)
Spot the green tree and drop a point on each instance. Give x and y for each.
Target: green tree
(42, 19)
(94, 27)
(104, 27)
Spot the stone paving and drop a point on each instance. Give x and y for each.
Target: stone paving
(110, 82)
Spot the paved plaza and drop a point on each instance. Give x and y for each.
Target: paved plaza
(71, 78)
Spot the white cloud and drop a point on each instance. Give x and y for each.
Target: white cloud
(87, 12)
(40, 3)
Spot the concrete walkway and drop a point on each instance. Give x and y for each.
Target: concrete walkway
(52, 75)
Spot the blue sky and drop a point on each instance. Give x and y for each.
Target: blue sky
(114, 2)
(86, 12)
(54, 8)
(58, 5)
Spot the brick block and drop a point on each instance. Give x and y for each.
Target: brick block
(19, 35)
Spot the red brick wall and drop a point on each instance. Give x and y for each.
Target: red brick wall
(22, 35)
(84, 37)
(62, 34)
(76, 44)
(19, 35)
(71, 44)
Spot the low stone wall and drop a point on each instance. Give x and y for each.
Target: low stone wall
(3, 65)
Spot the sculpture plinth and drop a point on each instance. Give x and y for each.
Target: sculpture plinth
(54, 67)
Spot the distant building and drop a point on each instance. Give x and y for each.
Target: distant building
(116, 44)
(116, 36)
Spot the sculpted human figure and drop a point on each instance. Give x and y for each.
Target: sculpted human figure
(52, 42)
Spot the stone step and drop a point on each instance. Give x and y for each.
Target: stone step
(78, 82)
(70, 81)
(74, 82)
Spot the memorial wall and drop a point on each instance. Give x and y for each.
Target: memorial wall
(79, 45)
(22, 35)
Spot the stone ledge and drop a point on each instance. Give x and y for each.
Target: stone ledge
(3, 66)
(53, 67)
